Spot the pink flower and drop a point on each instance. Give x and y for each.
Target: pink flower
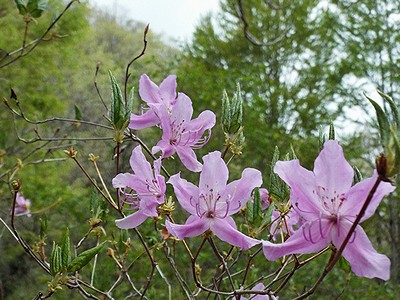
(151, 94)
(22, 206)
(142, 191)
(329, 205)
(213, 202)
(181, 134)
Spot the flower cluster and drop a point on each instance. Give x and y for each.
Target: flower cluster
(324, 204)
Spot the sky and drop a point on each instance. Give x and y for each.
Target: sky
(175, 18)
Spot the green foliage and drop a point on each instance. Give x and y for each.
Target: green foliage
(84, 258)
(254, 209)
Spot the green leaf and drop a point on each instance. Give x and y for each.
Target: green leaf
(331, 131)
(384, 127)
(117, 104)
(321, 139)
(357, 175)
(21, 6)
(249, 212)
(257, 207)
(84, 258)
(278, 189)
(232, 112)
(393, 108)
(268, 213)
(37, 7)
(55, 259)
(78, 113)
(66, 249)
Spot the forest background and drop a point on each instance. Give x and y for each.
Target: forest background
(300, 65)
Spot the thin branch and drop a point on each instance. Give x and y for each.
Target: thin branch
(127, 75)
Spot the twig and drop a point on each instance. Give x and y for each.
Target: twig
(127, 75)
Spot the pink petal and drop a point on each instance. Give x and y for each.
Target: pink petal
(148, 205)
(307, 239)
(359, 252)
(240, 190)
(168, 89)
(165, 147)
(123, 180)
(194, 226)
(148, 119)
(140, 166)
(188, 158)
(358, 193)
(186, 193)
(182, 111)
(224, 231)
(302, 184)
(148, 90)
(331, 169)
(198, 126)
(214, 173)
(131, 221)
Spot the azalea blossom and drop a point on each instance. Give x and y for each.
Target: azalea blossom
(181, 134)
(328, 204)
(142, 191)
(214, 201)
(22, 206)
(150, 93)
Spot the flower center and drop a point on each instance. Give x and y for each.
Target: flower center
(331, 201)
(211, 205)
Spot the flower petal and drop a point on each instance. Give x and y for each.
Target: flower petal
(168, 90)
(131, 221)
(197, 126)
(148, 205)
(359, 252)
(214, 173)
(302, 188)
(188, 158)
(148, 90)
(358, 193)
(240, 190)
(194, 226)
(182, 111)
(332, 170)
(140, 166)
(186, 193)
(308, 238)
(123, 180)
(224, 231)
(148, 119)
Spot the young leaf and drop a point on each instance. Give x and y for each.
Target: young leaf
(384, 127)
(55, 260)
(117, 104)
(268, 213)
(21, 6)
(357, 175)
(393, 108)
(37, 7)
(331, 131)
(249, 212)
(66, 249)
(78, 113)
(84, 258)
(257, 207)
